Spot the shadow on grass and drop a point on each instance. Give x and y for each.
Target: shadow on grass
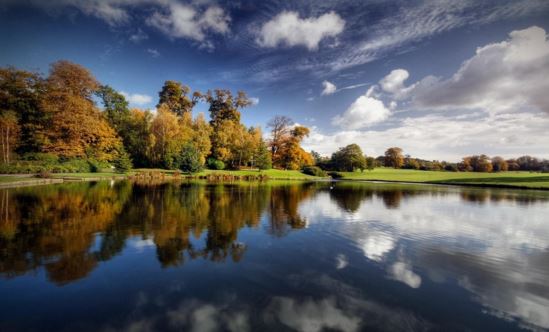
(501, 179)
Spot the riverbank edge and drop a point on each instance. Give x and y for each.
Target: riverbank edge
(444, 183)
(69, 179)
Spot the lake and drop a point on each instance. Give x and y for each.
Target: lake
(277, 256)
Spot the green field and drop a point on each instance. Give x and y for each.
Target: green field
(8, 179)
(505, 179)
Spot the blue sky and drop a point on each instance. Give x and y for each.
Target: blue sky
(441, 79)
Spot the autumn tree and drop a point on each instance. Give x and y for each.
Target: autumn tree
(167, 138)
(20, 92)
(138, 138)
(394, 157)
(224, 106)
(176, 97)
(465, 165)
(9, 134)
(280, 134)
(293, 155)
(227, 132)
(76, 127)
(201, 132)
(499, 164)
(481, 163)
(512, 165)
(285, 141)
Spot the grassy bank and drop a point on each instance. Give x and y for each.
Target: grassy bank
(505, 179)
(272, 174)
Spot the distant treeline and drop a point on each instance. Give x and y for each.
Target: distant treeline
(53, 124)
(351, 158)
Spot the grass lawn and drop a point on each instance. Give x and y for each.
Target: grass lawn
(511, 179)
(8, 179)
(85, 175)
(506, 179)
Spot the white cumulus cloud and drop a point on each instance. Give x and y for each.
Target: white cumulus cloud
(362, 113)
(509, 75)
(185, 21)
(136, 98)
(287, 28)
(393, 83)
(329, 88)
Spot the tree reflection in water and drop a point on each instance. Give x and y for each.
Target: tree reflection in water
(57, 226)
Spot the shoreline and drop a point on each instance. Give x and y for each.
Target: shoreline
(453, 184)
(69, 179)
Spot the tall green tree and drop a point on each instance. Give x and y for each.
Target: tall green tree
(176, 97)
(115, 108)
(189, 159)
(349, 158)
(263, 160)
(224, 106)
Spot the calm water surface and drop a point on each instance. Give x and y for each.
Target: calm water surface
(257, 257)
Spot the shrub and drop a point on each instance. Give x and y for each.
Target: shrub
(215, 164)
(451, 167)
(46, 158)
(96, 166)
(314, 171)
(76, 166)
(189, 159)
(122, 163)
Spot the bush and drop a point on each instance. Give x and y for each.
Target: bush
(77, 166)
(335, 175)
(215, 164)
(96, 166)
(46, 158)
(314, 171)
(451, 167)
(189, 159)
(122, 163)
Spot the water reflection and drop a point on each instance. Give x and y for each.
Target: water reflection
(274, 256)
(55, 227)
